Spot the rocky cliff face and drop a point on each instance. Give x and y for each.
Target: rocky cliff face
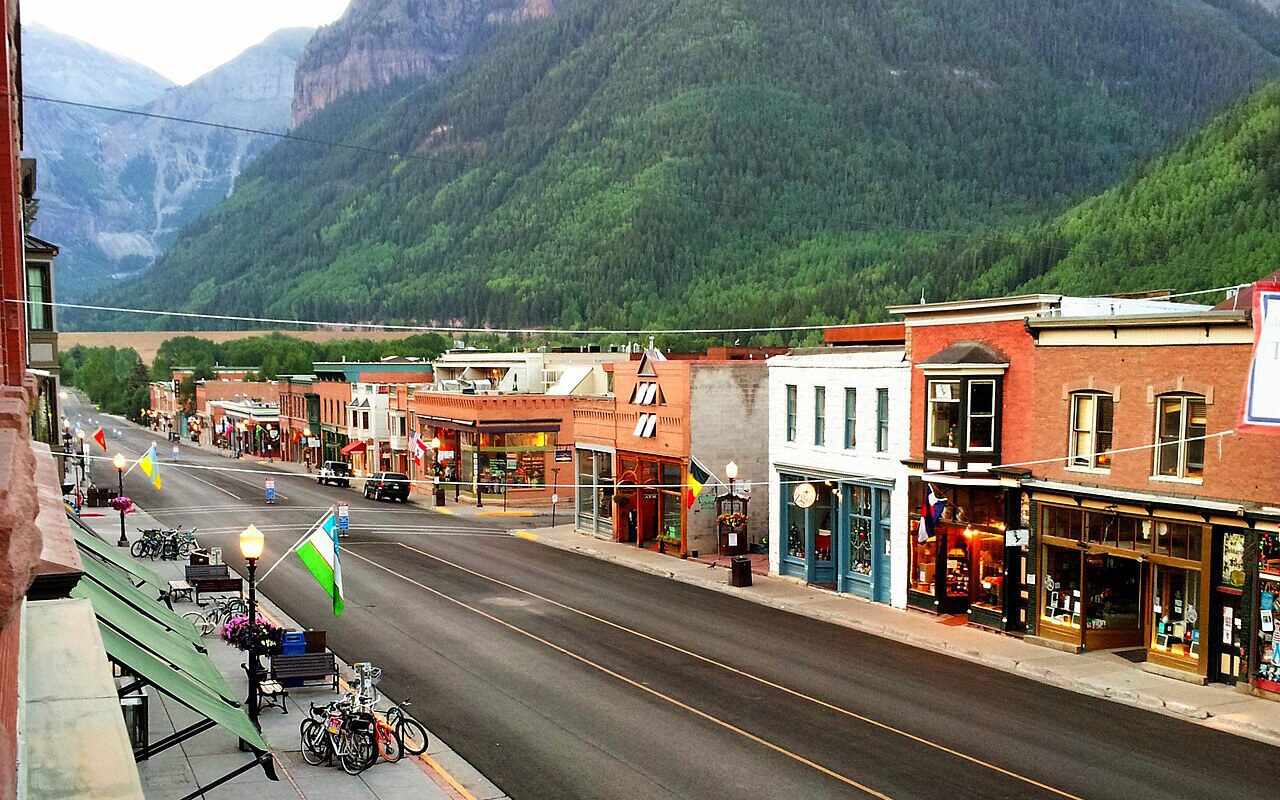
(377, 42)
(115, 189)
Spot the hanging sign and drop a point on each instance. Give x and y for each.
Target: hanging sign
(804, 495)
(1261, 413)
(564, 455)
(344, 517)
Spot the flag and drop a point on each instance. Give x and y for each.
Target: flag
(418, 447)
(320, 554)
(101, 438)
(698, 477)
(150, 465)
(932, 511)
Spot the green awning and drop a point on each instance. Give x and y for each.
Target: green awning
(181, 687)
(179, 653)
(117, 556)
(118, 585)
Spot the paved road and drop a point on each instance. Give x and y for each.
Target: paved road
(560, 676)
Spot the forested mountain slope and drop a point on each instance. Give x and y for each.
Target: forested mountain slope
(711, 161)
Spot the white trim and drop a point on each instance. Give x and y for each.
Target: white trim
(993, 370)
(954, 480)
(1175, 479)
(1140, 497)
(595, 448)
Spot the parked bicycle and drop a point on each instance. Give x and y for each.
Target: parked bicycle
(216, 614)
(339, 731)
(159, 543)
(410, 732)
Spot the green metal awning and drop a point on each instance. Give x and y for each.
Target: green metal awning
(181, 687)
(127, 622)
(140, 599)
(118, 557)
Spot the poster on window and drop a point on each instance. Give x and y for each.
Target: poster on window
(1261, 413)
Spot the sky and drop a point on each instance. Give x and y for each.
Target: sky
(180, 39)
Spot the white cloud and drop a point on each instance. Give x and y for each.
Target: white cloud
(180, 39)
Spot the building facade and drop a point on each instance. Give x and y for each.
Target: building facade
(838, 485)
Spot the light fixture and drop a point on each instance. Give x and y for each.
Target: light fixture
(80, 434)
(118, 461)
(251, 542)
(731, 470)
(435, 443)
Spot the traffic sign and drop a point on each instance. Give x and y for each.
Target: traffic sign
(271, 490)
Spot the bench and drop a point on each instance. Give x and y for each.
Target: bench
(305, 667)
(271, 693)
(180, 589)
(212, 578)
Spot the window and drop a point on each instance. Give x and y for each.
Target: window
(819, 415)
(1180, 418)
(982, 415)
(791, 413)
(39, 310)
(944, 414)
(882, 420)
(1091, 416)
(850, 418)
(364, 420)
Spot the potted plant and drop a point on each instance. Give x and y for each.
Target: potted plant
(240, 633)
(122, 504)
(734, 520)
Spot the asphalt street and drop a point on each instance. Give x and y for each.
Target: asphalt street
(561, 676)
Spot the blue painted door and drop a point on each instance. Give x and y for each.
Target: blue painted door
(864, 553)
(823, 534)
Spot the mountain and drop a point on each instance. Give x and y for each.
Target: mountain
(1203, 216)
(718, 162)
(116, 188)
(378, 42)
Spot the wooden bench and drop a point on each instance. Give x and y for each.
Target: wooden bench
(212, 578)
(305, 667)
(271, 693)
(180, 589)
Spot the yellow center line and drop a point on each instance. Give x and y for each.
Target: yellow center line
(635, 684)
(764, 681)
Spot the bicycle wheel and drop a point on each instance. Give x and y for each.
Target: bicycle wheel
(389, 746)
(359, 752)
(203, 626)
(138, 548)
(394, 715)
(413, 737)
(237, 608)
(315, 742)
(153, 549)
(184, 549)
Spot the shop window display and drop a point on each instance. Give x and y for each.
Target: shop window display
(1061, 587)
(860, 539)
(1268, 653)
(1114, 599)
(923, 559)
(1175, 616)
(990, 566)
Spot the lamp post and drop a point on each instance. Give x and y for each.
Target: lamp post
(251, 542)
(730, 472)
(118, 461)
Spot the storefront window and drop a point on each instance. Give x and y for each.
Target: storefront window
(1065, 523)
(1113, 585)
(944, 414)
(604, 490)
(822, 523)
(860, 540)
(795, 529)
(1175, 616)
(924, 562)
(586, 483)
(990, 566)
(1061, 587)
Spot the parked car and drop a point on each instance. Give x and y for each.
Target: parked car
(387, 486)
(336, 472)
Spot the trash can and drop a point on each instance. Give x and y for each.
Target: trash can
(739, 571)
(439, 495)
(294, 644)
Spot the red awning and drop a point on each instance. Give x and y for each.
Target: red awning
(353, 447)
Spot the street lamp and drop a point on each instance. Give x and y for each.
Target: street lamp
(251, 542)
(118, 461)
(731, 472)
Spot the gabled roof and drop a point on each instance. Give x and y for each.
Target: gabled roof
(967, 352)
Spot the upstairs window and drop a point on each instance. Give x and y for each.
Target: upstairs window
(819, 415)
(1180, 430)
(944, 415)
(982, 415)
(882, 420)
(39, 296)
(850, 418)
(791, 413)
(1091, 420)
(962, 415)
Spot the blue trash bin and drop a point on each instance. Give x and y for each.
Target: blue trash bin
(294, 644)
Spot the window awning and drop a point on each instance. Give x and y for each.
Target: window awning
(182, 688)
(354, 447)
(102, 575)
(89, 543)
(180, 654)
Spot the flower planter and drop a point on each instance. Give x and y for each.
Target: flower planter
(667, 547)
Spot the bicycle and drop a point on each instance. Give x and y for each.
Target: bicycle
(222, 610)
(411, 733)
(343, 734)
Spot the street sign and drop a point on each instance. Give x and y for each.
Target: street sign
(271, 490)
(344, 517)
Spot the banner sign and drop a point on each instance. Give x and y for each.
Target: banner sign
(1261, 413)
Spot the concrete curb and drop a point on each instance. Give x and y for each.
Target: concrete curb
(1129, 697)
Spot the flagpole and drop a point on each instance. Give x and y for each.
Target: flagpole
(294, 546)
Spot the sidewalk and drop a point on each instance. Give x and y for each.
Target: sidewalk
(439, 775)
(1101, 674)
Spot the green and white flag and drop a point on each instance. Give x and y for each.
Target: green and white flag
(320, 553)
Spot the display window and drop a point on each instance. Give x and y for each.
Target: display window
(860, 535)
(989, 568)
(1060, 587)
(924, 560)
(1175, 617)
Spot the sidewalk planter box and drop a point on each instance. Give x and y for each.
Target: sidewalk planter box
(315, 641)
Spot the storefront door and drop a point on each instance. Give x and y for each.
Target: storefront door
(863, 554)
(810, 533)
(1113, 607)
(1227, 638)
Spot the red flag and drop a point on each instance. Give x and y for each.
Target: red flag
(101, 438)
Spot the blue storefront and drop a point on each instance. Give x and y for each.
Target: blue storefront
(835, 532)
